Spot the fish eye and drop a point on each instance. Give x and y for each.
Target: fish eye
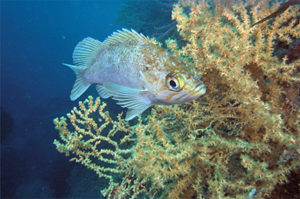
(173, 83)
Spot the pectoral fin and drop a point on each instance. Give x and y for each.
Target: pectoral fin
(102, 91)
(133, 99)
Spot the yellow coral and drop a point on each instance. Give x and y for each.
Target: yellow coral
(239, 140)
(93, 141)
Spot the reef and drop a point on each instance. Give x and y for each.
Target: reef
(141, 16)
(240, 140)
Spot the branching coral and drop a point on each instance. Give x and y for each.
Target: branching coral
(142, 15)
(94, 141)
(238, 141)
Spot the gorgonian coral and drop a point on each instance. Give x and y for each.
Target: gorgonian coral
(238, 141)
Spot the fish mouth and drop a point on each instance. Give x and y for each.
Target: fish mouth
(200, 90)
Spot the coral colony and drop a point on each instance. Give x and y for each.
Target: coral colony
(239, 140)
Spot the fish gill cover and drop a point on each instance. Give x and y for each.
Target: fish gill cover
(239, 140)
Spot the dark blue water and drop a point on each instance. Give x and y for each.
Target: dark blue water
(36, 37)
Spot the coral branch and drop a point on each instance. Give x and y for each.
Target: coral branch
(239, 141)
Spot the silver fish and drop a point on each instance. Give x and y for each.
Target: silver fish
(133, 70)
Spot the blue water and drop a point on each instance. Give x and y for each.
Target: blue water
(36, 37)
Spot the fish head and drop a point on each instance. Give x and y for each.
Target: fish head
(168, 79)
(176, 87)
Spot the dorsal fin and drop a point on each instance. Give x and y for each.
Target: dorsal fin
(86, 52)
(126, 35)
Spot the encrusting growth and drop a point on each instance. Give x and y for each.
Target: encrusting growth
(239, 140)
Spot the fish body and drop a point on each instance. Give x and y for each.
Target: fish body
(133, 70)
(278, 12)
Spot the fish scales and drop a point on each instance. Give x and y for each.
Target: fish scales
(119, 64)
(133, 70)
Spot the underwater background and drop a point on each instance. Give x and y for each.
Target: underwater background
(36, 38)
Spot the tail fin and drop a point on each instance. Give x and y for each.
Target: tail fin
(84, 55)
(80, 85)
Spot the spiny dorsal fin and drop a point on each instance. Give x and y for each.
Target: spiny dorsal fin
(126, 35)
(86, 52)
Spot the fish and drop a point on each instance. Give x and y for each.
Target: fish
(135, 71)
(278, 12)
